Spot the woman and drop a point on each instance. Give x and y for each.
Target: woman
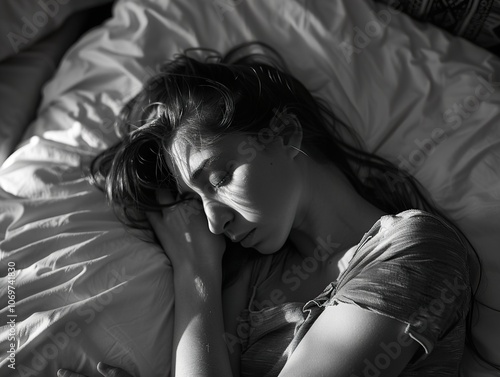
(244, 147)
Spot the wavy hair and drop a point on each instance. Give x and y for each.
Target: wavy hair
(200, 101)
(201, 96)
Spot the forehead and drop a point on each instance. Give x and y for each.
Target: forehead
(185, 157)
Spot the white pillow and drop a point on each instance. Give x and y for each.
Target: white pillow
(24, 22)
(86, 288)
(22, 77)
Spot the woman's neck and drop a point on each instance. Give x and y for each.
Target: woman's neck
(332, 216)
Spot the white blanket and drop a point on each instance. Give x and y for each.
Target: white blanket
(85, 288)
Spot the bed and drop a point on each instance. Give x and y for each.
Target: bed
(78, 287)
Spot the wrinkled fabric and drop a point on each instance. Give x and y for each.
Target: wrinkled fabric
(412, 267)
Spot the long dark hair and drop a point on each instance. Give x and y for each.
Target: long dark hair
(201, 101)
(202, 95)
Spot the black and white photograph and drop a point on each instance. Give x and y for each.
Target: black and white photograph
(249, 188)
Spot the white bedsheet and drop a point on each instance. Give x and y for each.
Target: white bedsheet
(85, 288)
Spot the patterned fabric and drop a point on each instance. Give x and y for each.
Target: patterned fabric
(411, 267)
(475, 20)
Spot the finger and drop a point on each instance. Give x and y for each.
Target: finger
(155, 220)
(165, 197)
(68, 373)
(109, 371)
(153, 217)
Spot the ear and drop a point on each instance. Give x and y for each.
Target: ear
(291, 133)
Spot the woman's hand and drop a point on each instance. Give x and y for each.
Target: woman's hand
(184, 235)
(196, 255)
(104, 369)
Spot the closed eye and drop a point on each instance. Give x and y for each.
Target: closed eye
(219, 182)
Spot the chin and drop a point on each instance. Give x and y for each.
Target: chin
(266, 248)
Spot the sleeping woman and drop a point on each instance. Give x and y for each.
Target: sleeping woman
(338, 265)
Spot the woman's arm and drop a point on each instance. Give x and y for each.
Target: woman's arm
(199, 347)
(348, 341)
(234, 300)
(344, 341)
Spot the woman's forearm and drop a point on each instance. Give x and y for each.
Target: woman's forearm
(199, 348)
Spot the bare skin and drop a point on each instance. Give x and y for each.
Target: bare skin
(241, 199)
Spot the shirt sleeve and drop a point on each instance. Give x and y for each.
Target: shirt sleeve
(411, 267)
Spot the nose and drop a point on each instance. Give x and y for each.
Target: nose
(219, 216)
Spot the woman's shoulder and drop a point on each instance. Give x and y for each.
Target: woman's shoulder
(418, 226)
(412, 236)
(415, 219)
(411, 266)
(413, 255)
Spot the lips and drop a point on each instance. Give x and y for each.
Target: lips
(247, 240)
(242, 237)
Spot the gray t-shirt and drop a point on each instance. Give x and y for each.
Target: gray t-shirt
(412, 267)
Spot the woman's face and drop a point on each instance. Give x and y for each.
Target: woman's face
(250, 188)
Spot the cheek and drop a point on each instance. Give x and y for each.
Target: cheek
(271, 187)
(250, 193)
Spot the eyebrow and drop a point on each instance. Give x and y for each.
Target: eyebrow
(195, 175)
